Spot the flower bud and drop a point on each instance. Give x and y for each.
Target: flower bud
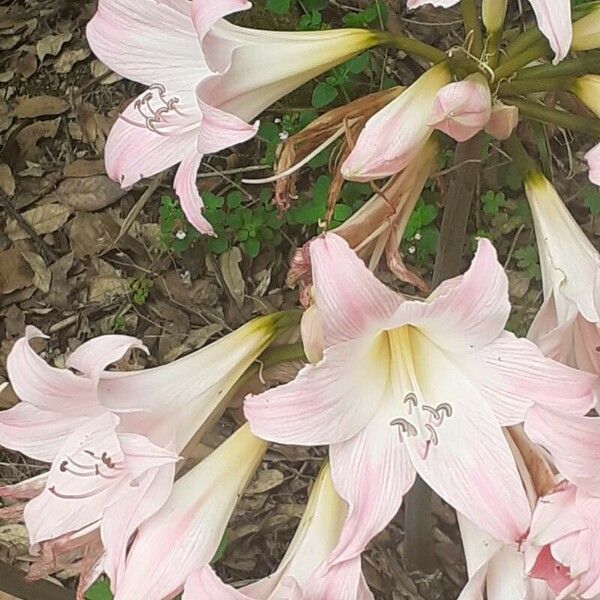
(586, 32)
(587, 89)
(503, 121)
(494, 13)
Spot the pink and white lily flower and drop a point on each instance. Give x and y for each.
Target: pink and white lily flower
(113, 438)
(567, 326)
(503, 120)
(185, 534)
(207, 80)
(408, 387)
(553, 19)
(563, 547)
(303, 573)
(394, 136)
(462, 108)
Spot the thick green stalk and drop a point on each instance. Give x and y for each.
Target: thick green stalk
(522, 43)
(534, 52)
(551, 116)
(530, 86)
(582, 65)
(473, 26)
(524, 163)
(416, 47)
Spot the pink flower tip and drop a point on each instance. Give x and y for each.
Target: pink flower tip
(463, 108)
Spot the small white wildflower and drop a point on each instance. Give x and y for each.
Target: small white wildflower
(284, 135)
(181, 235)
(417, 236)
(412, 250)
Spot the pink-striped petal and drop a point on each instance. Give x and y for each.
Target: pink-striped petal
(132, 37)
(37, 433)
(34, 381)
(573, 442)
(466, 313)
(350, 299)
(93, 356)
(372, 472)
(122, 518)
(512, 375)
(206, 14)
(412, 4)
(327, 403)
(554, 21)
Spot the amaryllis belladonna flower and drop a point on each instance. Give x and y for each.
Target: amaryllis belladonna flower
(411, 386)
(553, 19)
(593, 160)
(567, 326)
(503, 120)
(463, 108)
(207, 80)
(392, 137)
(185, 534)
(303, 573)
(113, 438)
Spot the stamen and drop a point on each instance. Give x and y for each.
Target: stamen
(52, 490)
(435, 440)
(404, 427)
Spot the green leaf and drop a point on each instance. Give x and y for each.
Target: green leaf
(323, 94)
(99, 591)
(358, 64)
(492, 202)
(342, 212)
(279, 7)
(234, 199)
(218, 245)
(252, 247)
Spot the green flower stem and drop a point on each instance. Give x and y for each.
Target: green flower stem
(537, 50)
(521, 43)
(582, 65)
(410, 46)
(492, 48)
(530, 86)
(524, 163)
(275, 355)
(472, 25)
(544, 114)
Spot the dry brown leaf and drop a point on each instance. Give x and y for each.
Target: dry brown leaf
(69, 58)
(87, 194)
(60, 288)
(15, 273)
(14, 321)
(103, 289)
(29, 136)
(99, 69)
(51, 45)
(7, 180)
(25, 65)
(89, 234)
(42, 276)
(44, 219)
(84, 168)
(232, 274)
(265, 480)
(40, 106)
(8, 42)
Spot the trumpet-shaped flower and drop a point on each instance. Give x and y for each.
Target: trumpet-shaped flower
(503, 121)
(184, 535)
(566, 328)
(303, 573)
(593, 159)
(563, 547)
(393, 137)
(553, 19)
(463, 108)
(113, 438)
(207, 79)
(411, 386)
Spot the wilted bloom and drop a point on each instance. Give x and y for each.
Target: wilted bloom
(303, 573)
(593, 159)
(462, 109)
(412, 386)
(113, 437)
(393, 137)
(563, 547)
(566, 327)
(503, 120)
(586, 31)
(184, 535)
(378, 227)
(553, 19)
(207, 79)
